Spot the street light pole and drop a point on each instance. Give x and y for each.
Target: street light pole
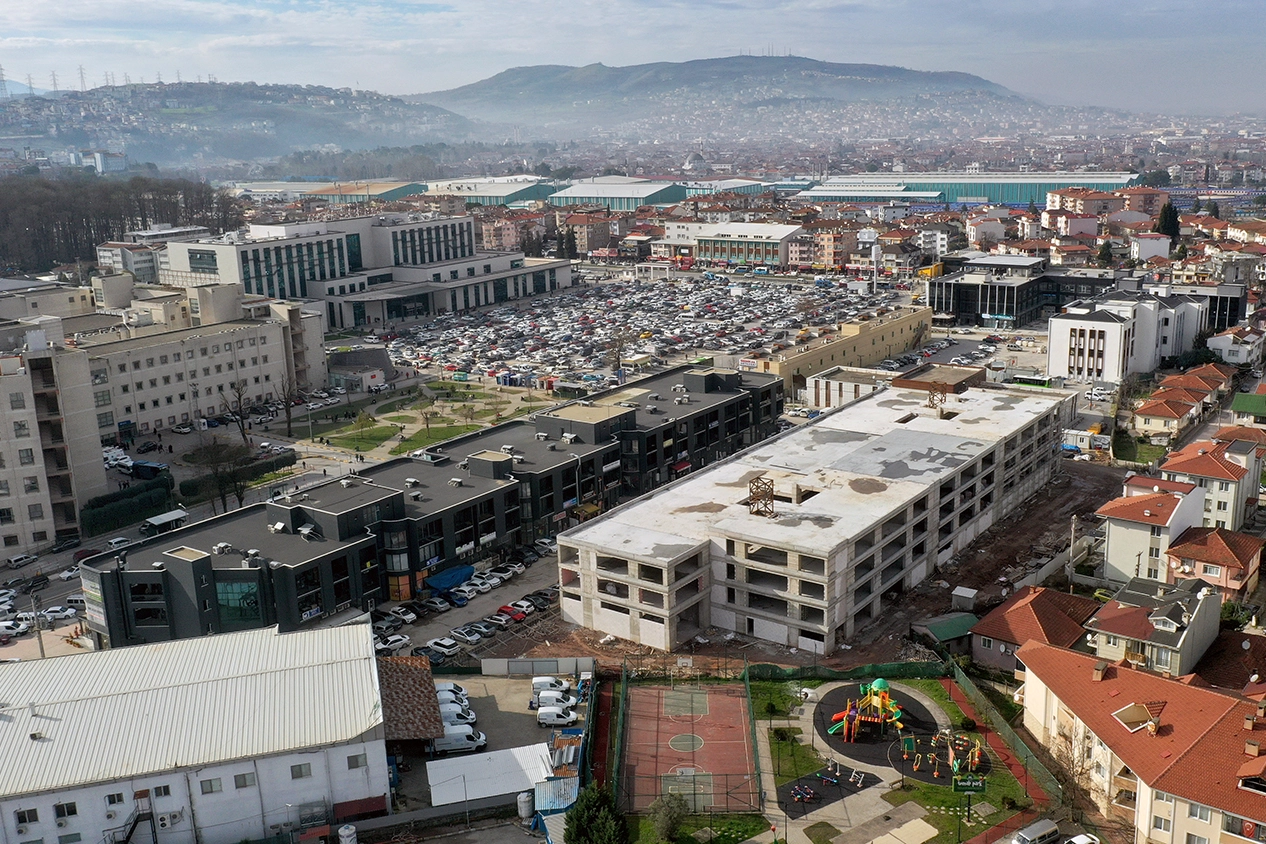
(35, 619)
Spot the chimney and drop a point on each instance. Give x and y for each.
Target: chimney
(1252, 748)
(1261, 709)
(1100, 667)
(1249, 722)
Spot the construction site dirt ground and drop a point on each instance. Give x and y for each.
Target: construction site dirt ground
(1039, 529)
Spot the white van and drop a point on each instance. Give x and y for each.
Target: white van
(455, 713)
(554, 716)
(452, 687)
(449, 697)
(553, 698)
(76, 602)
(459, 738)
(549, 684)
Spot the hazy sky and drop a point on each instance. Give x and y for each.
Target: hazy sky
(1181, 56)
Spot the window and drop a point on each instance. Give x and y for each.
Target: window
(1162, 658)
(1198, 839)
(32, 484)
(244, 780)
(27, 816)
(17, 401)
(69, 839)
(6, 517)
(298, 772)
(1111, 641)
(1195, 810)
(1222, 506)
(1224, 486)
(1163, 797)
(1156, 530)
(1160, 823)
(1212, 571)
(21, 428)
(114, 799)
(4, 488)
(986, 643)
(162, 791)
(211, 786)
(65, 810)
(26, 456)
(360, 760)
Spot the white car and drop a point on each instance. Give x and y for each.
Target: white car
(467, 592)
(466, 635)
(14, 628)
(404, 614)
(394, 643)
(525, 607)
(117, 543)
(445, 645)
(479, 583)
(545, 546)
(339, 391)
(500, 620)
(59, 613)
(70, 573)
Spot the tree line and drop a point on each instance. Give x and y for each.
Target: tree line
(46, 222)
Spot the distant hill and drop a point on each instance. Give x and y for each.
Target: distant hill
(597, 95)
(212, 121)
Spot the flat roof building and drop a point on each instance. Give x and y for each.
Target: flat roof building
(798, 539)
(957, 187)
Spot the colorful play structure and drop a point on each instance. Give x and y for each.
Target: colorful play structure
(874, 706)
(955, 750)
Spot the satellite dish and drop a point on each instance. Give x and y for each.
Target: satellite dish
(1253, 679)
(1246, 644)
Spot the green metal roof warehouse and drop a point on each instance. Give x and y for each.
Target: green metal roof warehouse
(957, 187)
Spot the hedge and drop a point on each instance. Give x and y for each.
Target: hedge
(205, 484)
(164, 480)
(121, 514)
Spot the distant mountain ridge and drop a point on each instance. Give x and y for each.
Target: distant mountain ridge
(600, 95)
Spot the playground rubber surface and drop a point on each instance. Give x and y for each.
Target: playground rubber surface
(692, 741)
(846, 784)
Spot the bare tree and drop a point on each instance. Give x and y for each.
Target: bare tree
(616, 347)
(223, 459)
(288, 391)
(362, 423)
(237, 396)
(428, 413)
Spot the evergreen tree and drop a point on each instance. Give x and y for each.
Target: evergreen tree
(578, 825)
(1105, 253)
(667, 813)
(1167, 221)
(1196, 206)
(1213, 210)
(571, 251)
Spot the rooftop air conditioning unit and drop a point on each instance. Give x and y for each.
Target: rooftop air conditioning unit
(650, 408)
(586, 403)
(507, 449)
(541, 436)
(416, 496)
(412, 482)
(654, 397)
(550, 446)
(685, 399)
(220, 548)
(345, 483)
(252, 553)
(569, 438)
(454, 481)
(277, 527)
(518, 458)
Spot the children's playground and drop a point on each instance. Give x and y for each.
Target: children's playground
(870, 724)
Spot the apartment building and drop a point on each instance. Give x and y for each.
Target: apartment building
(798, 540)
(1143, 200)
(50, 460)
(1175, 762)
(747, 243)
(256, 735)
(140, 260)
(1081, 200)
(1163, 627)
(1140, 525)
(1227, 560)
(856, 343)
(366, 271)
(23, 298)
(1117, 334)
(1240, 345)
(1229, 473)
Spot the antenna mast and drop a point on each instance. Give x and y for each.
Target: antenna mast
(83, 83)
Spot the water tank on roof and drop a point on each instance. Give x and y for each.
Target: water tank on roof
(525, 807)
(347, 834)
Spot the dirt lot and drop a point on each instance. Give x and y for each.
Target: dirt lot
(1038, 529)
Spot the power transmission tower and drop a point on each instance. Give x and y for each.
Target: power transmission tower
(127, 80)
(4, 88)
(160, 77)
(106, 76)
(177, 75)
(83, 83)
(30, 88)
(53, 75)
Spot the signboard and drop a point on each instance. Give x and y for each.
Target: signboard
(311, 613)
(488, 537)
(465, 548)
(969, 784)
(94, 607)
(571, 502)
(558, 517)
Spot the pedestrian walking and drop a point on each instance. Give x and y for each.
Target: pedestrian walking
(323, 472)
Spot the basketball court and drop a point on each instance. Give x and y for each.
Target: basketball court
(695, 741)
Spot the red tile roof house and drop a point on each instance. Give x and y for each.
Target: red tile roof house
(1175, 761)
(1031, 614)
(1226, 559)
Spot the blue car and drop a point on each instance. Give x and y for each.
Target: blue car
(455, 599)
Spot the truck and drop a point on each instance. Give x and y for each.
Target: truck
(145, 470)
(163, 523)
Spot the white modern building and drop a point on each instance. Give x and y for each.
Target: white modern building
(1239, 346)
(367, 271)
(1143, 522)
(210, 740)
(798, 540)
(1116, 334)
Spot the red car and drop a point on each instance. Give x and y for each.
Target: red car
(512, 612)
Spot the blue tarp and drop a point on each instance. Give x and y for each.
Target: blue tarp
(447, 579)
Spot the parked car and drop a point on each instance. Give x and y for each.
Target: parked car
(537, 601)
(530, 556)
(35, 584)
(437, 605)
(483, 628)
(14, 628)
(550, 593)
(70, 573)
(146, 447)
(19, 560)
(434, 656)
(445, 645)
(414, 607)
(475, 586)
(84, 554)
(66, 544)
(545, 546)
(182, 429)
(395, 642)
(499, 620)
(503, 573)
(387, 626)
(525, 607)
(457, 599)
(465, 635)
(59, 613)
(118, 542)
(404, 614)
(514, 613)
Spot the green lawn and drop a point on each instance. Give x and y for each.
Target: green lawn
(729, 829)
(821, 832)
(784, 695)
(367, 439)
(1005, 704)
(791, 759)
(438, 433)
(1125, 447)
(401, 418)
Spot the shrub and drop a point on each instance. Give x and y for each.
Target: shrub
(967, 724)
(163, 481)
(667, 813)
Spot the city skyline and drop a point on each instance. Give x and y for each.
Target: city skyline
(1158, 56)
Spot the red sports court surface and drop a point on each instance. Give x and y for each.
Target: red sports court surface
(695, 741)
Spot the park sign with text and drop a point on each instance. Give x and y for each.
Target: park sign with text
(969, 784)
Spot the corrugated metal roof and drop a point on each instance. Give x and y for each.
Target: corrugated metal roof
(556, 795)
(555, 828)
(150, 708)
(488, 774)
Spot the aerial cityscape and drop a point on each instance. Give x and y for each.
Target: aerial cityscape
(520, 421)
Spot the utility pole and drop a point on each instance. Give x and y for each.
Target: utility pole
(39, 632)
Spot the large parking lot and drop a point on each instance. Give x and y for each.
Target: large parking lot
(569, 335)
